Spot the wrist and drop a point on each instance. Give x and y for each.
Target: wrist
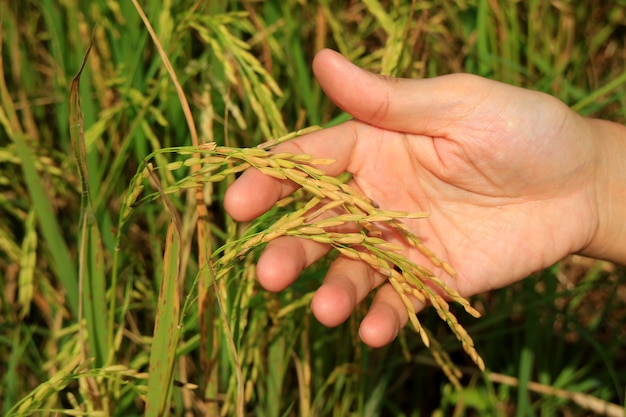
(609, 240)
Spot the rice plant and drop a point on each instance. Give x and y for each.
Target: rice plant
(129, 291)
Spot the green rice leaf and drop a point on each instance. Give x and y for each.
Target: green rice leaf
(91, 271)
(166, 330)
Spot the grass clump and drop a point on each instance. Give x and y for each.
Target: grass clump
(128, 291)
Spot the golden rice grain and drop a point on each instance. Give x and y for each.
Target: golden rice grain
(389, 246)
(325, 186)
(257, 162)
(192, 161)
(350, 239)
(283, 163)
(302, 158)
(425, 251)
(379, 217)
(311, 230)
(332, 180)
(227, 257)
(449, 269)
(253, 241)
(282, 155)
(273, 235)
(315, 191)
(147, 170)
(302, 210)
(273, 173)
(194, 184)
(326, 207)
(312, 171)
(291, 224)
(332, 195)
(395, 214)
(274, 163)
(224, 150)
(173, 166)
(206, 170)
(362, 204)
(375, 240)
(418, 295)
(321, 239)
(207, 147)
(348, 253)
(236, 169)
(284, 202)
(407, 303)
(216, 178)
(213, 160)
(351, 217)
(329, 223)
(404, 229)
(423, 334)
(254, 152)
(295, 175)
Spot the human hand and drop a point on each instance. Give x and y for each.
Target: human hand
(506, 173)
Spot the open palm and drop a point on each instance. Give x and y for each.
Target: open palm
(504, 172)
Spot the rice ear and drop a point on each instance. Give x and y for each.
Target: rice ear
(358, 232)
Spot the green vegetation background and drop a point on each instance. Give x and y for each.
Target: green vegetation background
(245, 69)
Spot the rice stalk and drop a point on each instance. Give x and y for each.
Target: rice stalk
(91, 270)
(325, 210)
(37, 399)
(130, 110)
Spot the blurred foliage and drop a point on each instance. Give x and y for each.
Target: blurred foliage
(245, 68)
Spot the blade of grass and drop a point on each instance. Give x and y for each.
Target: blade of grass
(166, 329)
(530, 345)
(240, 394)
(10, 381)
(167, 326)
(595, 96)
(524, 408)
(91, 269)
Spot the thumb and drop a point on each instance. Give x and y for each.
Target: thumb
(414, 106)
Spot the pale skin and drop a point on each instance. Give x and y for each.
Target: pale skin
(514, 181)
